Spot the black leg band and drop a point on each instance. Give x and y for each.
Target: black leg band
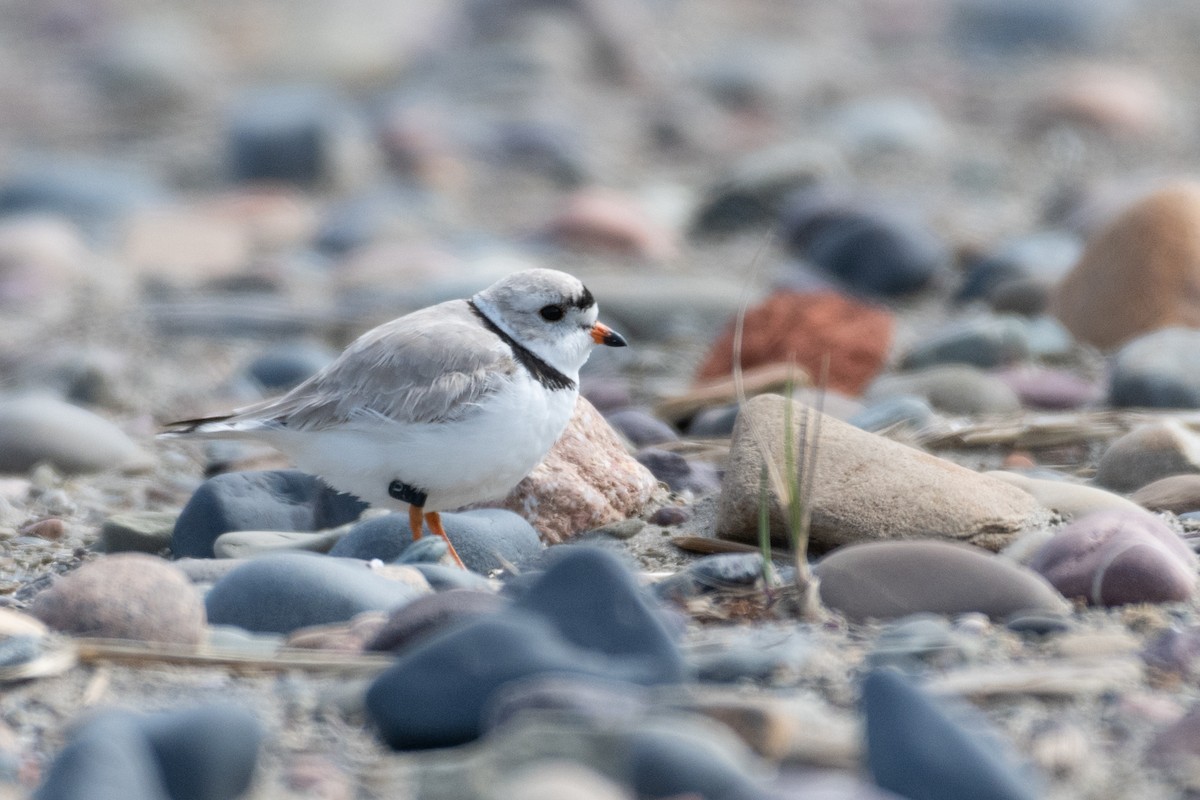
(407, 494)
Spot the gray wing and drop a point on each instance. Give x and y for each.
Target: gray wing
(433, 365)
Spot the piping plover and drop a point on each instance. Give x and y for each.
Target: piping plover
(443, 407)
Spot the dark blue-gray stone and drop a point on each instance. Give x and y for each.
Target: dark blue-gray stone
(95, 195)
(1013, 27)
(280, 593)
(641, 427)
(426, 550)
(982, 342)
(485, 539)
(683, 763)
(679, 474)
(1157, 370)
(284, 133)
(436, 694)
(868, 250)
(107, 758)
(595, 602)
(916, 749)
(281, 368)
(583, 698)
(206, 753)
(713, 422)
(269, 500)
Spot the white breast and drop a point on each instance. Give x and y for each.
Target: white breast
(481, 457)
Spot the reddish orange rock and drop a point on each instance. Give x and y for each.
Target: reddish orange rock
(1139, 273)
(800, 328)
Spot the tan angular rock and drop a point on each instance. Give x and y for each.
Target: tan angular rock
(587, 479)
(1139, 273)
(867, 488)
(125, 596)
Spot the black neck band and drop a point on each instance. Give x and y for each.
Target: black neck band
(545, 374)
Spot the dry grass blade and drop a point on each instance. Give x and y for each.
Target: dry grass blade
(1057, 678)
(756, 380)
(117, 650)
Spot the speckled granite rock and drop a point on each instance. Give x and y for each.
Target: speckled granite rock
(586, 480)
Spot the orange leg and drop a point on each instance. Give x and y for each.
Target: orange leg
(418, 518)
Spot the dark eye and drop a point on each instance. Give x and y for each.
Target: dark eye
(552, 313)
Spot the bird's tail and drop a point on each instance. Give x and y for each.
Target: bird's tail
(225, 426)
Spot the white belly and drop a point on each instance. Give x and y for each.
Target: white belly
(456, 463)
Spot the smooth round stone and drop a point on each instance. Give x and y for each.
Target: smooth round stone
(712, 423)
(641, 427)
(1157, 370)
(689, 760)
(890, 124)
(107, 758)
(149, 67)
(916, 749)
(284, 133)
(585, 698)
(606, 393)
(279, 593)
(1137, 275)
(982, 342)
(1013, 27)
(892, 412)
(436, 694)
(669, 516)
(1112, 558)
(886, 580)
(485, 539)
(1026, 297)
(1146, 454)
(95, 195)
(1051, 389)
(138, 531)
(595, 602)
(271, 500)
(1038, 623)
(554, 151)
(352, 224)
(759, 183)
(871, 251)
(285, 366)
(206, 753)
(1178, 494)
(679, 474)
(433, 613)
(953, 389)
(1069, 500)
(909, 639)
(1042, 257)
(42, 429)
(124, 596)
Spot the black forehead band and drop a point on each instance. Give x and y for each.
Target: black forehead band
(584, 300)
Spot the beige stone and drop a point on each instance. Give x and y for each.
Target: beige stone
(866, 487)
(1148, 453)
(124, 596)
(1139, 273)
(587, 479)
